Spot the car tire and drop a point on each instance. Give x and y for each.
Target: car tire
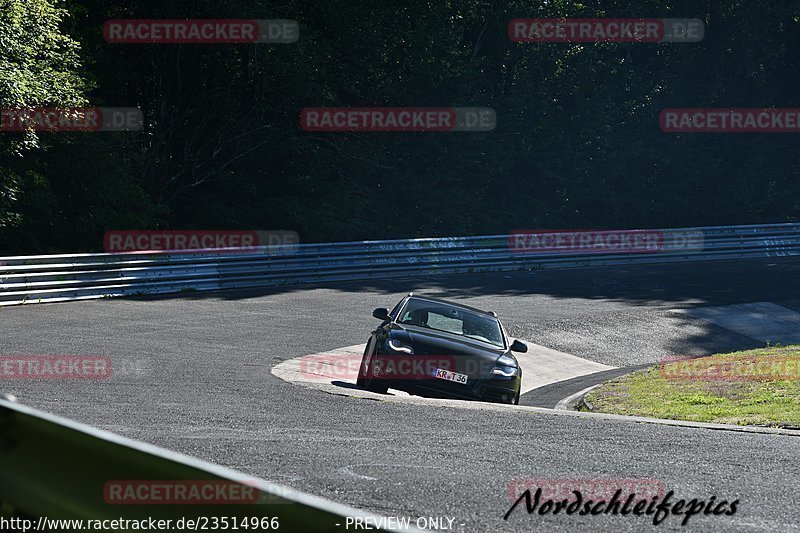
(375, 385)
(361, 377)
(367, 381)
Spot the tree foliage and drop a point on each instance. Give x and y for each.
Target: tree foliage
(39, 66)
(577, 143)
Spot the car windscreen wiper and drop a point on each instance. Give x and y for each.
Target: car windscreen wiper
(419, 325)
(478, 337)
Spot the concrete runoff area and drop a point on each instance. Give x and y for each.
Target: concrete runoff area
(540, 365)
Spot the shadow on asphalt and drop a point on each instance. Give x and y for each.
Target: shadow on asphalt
(346, 385)
(713, 282)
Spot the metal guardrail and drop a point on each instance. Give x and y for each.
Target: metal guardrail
(53, 469)
(53, 278)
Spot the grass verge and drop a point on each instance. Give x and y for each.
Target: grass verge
(754, 387)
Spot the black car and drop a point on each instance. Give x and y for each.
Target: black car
(436, 348)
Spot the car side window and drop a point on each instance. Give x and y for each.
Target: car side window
(417, 317)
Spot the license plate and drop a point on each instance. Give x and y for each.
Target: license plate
(447, 375)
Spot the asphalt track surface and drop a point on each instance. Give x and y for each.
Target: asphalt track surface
(192, 374)
(548, 396)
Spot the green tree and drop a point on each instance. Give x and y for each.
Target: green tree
(39, 66)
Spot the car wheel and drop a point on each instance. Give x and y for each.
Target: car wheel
(361, 378)
(367, 380)
(516, 398)
(374, 385)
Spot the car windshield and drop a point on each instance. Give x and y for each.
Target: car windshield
(443, 317)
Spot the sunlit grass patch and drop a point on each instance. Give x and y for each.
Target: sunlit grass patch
(753, 387)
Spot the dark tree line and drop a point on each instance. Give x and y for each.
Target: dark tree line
(577, 142)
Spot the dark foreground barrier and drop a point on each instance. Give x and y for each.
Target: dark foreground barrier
(53, 469)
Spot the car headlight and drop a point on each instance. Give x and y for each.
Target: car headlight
(505, 371)
(399, 347)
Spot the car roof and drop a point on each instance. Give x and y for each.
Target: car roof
(445, 302)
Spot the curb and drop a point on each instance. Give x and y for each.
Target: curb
(573, 402)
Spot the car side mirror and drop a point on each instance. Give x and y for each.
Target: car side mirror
(519, 346)
(381, 313)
